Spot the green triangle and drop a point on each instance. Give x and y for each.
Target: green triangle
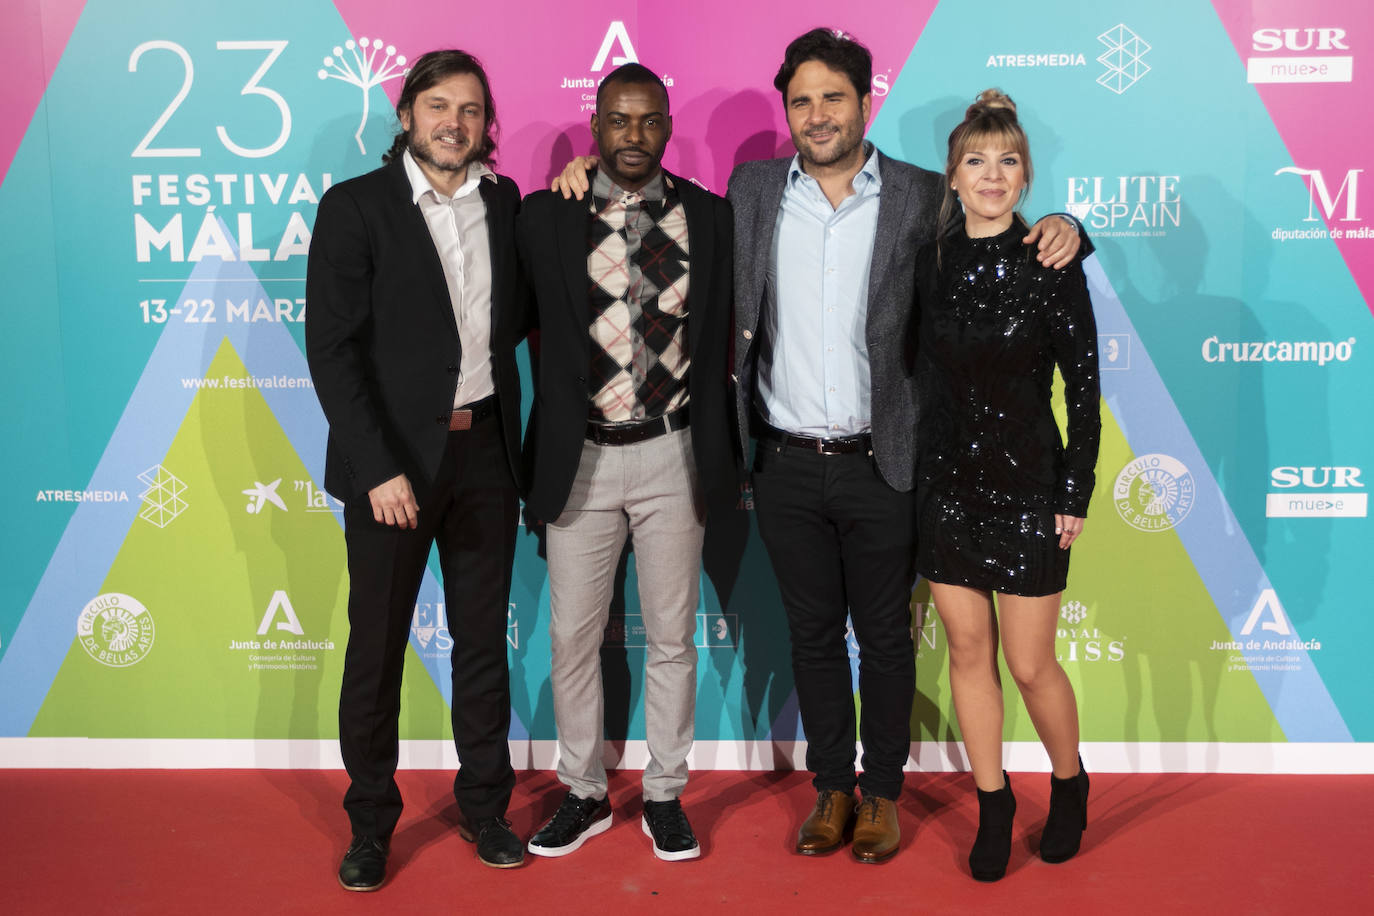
(207, 578)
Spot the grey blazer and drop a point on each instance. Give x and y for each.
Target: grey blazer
(908, 206)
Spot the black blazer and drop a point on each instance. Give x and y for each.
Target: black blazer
(552, 238)
(380, 335)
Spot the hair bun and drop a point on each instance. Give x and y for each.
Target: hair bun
(988, 100)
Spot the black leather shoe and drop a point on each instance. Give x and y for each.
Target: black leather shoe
(497, 844)
(364, 865)
(576, 821)
(666, 823)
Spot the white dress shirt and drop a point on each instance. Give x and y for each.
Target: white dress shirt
(458, 226)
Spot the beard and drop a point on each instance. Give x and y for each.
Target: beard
(848, 137)
(446, 158)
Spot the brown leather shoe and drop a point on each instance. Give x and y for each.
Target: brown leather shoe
(876, 832)
(823, 831)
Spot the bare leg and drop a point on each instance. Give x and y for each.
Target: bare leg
(971, 628)
(1028, 626)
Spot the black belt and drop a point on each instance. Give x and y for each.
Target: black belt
(463, 417)
(630, 433)
(841, 445)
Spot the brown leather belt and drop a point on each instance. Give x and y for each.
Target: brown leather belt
(468, 414)
(630, 433)
(842, 445)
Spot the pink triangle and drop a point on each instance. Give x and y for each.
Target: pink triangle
(1325, 125)
(721, 55)
(33, 39)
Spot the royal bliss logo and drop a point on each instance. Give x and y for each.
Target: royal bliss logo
(1076, 640)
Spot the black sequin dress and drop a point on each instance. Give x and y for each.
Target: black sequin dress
(993, 470)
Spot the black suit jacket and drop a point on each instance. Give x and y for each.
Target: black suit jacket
(552, 238)
(380, 335)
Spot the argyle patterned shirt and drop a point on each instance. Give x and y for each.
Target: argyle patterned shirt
(637, 268)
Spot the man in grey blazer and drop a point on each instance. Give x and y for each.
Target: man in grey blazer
(823, 302)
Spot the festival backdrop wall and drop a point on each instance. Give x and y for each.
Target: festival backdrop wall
(173, 569)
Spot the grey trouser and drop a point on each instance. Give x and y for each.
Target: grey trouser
(647, 490)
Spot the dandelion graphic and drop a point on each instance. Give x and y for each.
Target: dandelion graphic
(365, 73)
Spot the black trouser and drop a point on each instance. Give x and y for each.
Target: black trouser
(472, 511)
(842, 541)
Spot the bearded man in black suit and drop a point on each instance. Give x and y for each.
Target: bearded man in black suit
(415, 310)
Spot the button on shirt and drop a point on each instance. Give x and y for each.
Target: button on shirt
(813, 377)
(458, 226)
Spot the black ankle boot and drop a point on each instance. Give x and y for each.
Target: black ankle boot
(992, 848)
(1068, 816)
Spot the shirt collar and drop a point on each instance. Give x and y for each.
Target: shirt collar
(869, 180)
(420, 186)
(656, 190)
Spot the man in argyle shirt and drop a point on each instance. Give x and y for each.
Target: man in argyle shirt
(629, 436)
(639, 279)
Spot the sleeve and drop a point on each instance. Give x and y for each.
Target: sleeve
(338, 290)
(1073, 338)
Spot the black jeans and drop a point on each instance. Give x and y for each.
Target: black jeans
(472, 512)
(842, 541)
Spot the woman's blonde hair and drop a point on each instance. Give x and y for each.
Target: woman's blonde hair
(992, 114)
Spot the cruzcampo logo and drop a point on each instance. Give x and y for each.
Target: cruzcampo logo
(115, 630)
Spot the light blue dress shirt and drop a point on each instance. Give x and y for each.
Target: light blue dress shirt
(813, 376)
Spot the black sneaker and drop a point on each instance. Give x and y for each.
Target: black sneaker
(575, 821)
(672, 835)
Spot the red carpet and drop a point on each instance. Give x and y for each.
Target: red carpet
(222, 841)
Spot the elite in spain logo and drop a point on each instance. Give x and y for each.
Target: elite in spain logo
(115, 630)
(1154, 492)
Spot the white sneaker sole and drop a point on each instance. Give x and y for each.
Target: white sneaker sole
(553, 852)
(693, 853)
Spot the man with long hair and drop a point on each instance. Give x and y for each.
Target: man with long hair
(414, 314)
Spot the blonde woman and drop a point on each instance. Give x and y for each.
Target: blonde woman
(1000, 497)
